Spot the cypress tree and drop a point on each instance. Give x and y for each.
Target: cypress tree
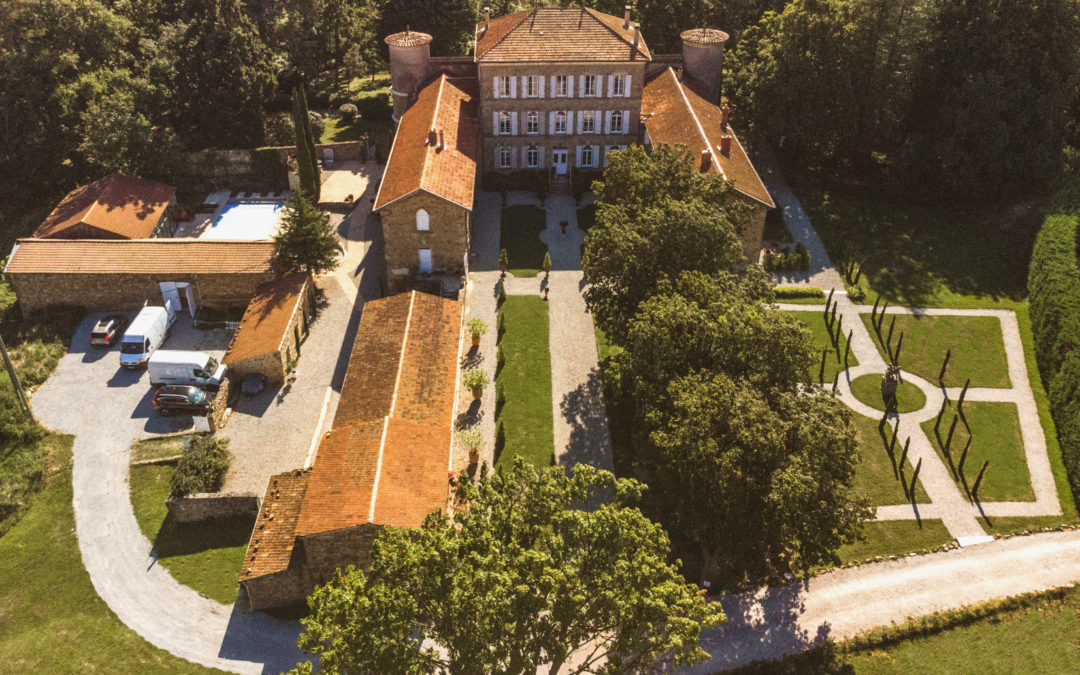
(308, 179)
(309, 136)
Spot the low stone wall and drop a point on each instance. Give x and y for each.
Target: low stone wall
(259, 167)
(219, 410)
(211, 506)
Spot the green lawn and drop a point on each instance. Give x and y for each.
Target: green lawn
(875, 476)
(867, 388)
(525, 382)
(519, 234)
(205, 556)
(895, 537)
(834, 362)
(1034, 633)
(976, 344)
(51, 620)
(995, 435)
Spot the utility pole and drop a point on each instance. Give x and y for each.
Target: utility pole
(19, 394)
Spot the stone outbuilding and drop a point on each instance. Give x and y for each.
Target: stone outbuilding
(272, 329)
(384, 463)
(107, 275)
(118, 206)
(428, 188)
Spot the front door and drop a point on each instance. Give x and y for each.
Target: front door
(425, 261)
(558, 160)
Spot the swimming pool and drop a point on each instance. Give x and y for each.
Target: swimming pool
(246, 220)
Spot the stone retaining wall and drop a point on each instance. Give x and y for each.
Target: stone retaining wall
(219, 410)
(261, 167)
(211, 506)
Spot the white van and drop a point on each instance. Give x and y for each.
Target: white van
(168, 366)
(144, 336)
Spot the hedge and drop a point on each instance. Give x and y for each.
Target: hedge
(787, 260)
(203, 466)
(792, 292)
(1054, 295)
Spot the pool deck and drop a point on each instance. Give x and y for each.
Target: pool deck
(200, 226)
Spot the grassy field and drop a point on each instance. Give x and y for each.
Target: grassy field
(895, 537)
(867, 388)
(834, 362)
(525, 382)
(977, 350)
(1034, 633)
(995, 436)
(875, 476)
(205, 556)
(51, 620)
(519, 234)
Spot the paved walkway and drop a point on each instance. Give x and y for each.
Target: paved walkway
(578, 412)
(822, 274)
(120, 560)
(774, 622)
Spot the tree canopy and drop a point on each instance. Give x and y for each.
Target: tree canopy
(540, 568)
(306, 242)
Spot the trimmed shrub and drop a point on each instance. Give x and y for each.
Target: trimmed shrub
(348, 112)
(791, 292)
(787, 260)
(278, 130)
(318, 124)
(203, 466)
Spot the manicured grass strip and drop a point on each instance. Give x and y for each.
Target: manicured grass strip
(995, 435)
(978, 349)
(157, 448)
(895, 537)
(205, 556)
(519, 234)
(874, 477)
(51, 620)
(525, 383)
(834, 362)
(867, 388)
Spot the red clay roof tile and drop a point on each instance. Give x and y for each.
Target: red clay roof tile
(140, 256)
(556, 34)
(267, 319)
(272, 539)
(116, 206)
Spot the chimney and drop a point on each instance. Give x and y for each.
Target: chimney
(626, 17)
(442, 140)
(432, 137)
(724, 112)
(706, 160)
(725, 145)
(637, 36)
(487, 19)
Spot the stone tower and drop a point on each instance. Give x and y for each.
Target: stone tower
(703, 57)
(410, 58)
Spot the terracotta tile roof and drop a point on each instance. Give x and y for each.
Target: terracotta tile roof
(408, 38)
(554, 34)
(450, 107)
(140, 256)
(116, 206)
(267, 319)
(676, 114)
(272, 540)
(387, 459)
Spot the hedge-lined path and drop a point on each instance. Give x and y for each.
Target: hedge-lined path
(577, 401)
(947, 502)
(773, 622)
(822, 274)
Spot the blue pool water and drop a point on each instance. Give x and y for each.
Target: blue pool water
(246, 220)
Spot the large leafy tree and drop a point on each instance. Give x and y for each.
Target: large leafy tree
(224, 76)
(534, 567)
(749, 468)
(656, 217)
(306, 242)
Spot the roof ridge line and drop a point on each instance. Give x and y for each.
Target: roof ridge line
(697, 122)
(432, 127)
(593, 13)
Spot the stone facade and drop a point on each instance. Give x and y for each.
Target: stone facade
(274, 365)
(212, 506)
(752, 230)
(447, 236)
(109, 292)
(547, 105)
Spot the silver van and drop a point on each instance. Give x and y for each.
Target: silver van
(196, 369)
(144, 336)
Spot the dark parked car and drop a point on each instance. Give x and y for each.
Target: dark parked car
(108, 331)
(181, 398)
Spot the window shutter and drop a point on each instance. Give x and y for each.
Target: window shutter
(626, 87)
(570, 86)
(607, 149)
(579, 155)
(596, 155)
(581, 122)
(626, 121)
(524, 86)
(581, 84)
(513, 87)
(610, 85)
(497, 165)
(540, 157)
(569, 121)
(495, 88)
(551, 122)
(540, 82)
(554, 89)
(607, 122)
(495, 122)
(513, 124)
(599, 129)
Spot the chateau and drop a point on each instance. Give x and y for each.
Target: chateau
(549, 91)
